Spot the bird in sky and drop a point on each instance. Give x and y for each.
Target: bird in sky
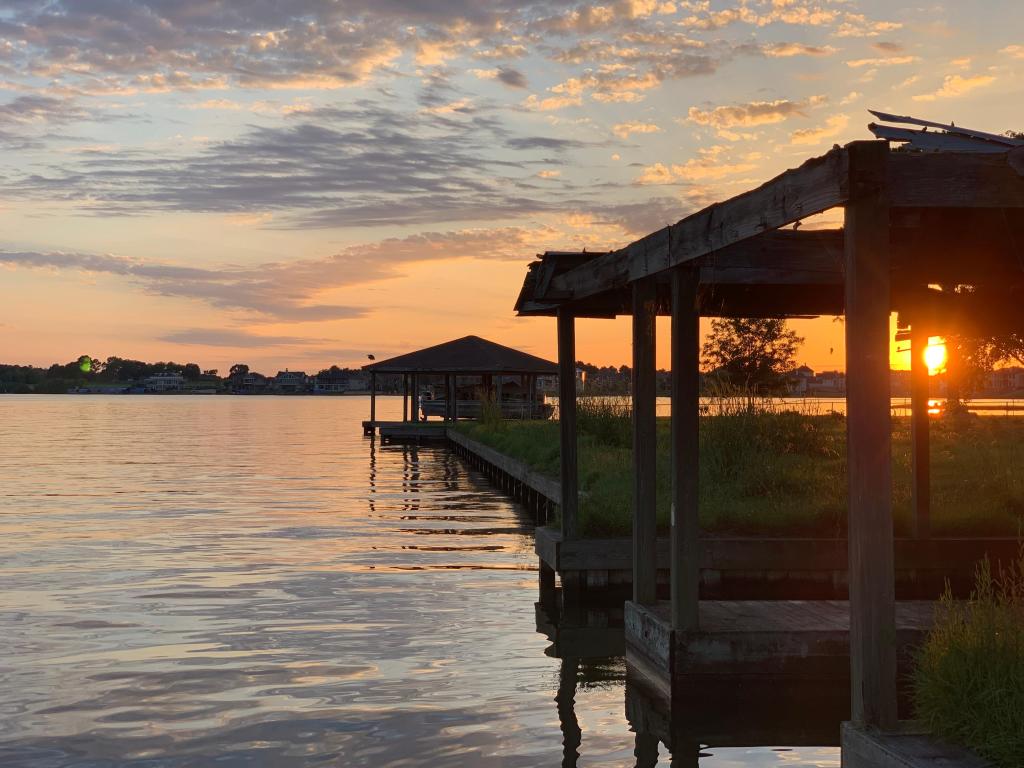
(371, 357)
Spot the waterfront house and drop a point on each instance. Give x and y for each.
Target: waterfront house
(290, 382)
(164, 382)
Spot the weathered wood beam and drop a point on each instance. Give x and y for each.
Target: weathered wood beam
(685, 543)
(872, 573)
(955, 179)
(920, 492)
(373, 396)
(645, 520)
(567, 423)
(816, 186)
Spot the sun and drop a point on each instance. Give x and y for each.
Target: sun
(935, 355)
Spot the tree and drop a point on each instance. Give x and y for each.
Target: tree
(191, 371)
(238, 369)
(755, 354)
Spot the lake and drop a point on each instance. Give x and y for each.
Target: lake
(248, 581)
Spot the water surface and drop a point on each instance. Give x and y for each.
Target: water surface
(248, 581)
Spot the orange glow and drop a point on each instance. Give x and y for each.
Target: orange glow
(935, 356)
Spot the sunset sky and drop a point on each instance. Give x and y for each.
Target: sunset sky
(298, 184)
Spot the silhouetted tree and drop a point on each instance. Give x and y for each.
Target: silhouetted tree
(752, 353)
(238, 369)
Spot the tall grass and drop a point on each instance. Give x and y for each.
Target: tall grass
(765, 470)
(969, 679)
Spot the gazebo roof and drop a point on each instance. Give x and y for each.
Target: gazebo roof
(468, 355)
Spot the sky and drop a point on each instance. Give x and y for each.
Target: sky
(299, 184)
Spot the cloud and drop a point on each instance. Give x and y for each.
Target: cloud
(1014, 51)
(786, 50)
(711, 164)
(625, 130)
(833, 126)
(753, 113)
(883, 61)
(287, 291)
(510, 76)
(364, 164)
(239, 339)
(956, 85)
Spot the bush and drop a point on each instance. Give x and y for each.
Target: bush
(969, 679)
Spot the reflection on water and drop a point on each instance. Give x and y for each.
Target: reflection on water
(238, 581)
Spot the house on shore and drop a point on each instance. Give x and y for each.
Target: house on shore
(290, 382)
(164, 382)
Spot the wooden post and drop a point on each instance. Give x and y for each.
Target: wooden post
(447, 397)
(685, 574)
(497, 394)
(872, 599)
(644, 443)
(405, 397)
(567, 421)
(455, 397)
(415, 398)
(920, 491)
(373, 396)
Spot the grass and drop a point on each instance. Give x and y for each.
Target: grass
(969, 679)
(776, 473)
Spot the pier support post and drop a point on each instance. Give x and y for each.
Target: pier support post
(872, 599)
(920, 450)
(567, 422)
(373, 397)
(405, 397)
(644, 443)
(685, 568)
(447, 397)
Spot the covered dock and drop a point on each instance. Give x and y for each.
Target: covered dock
(455, 380)
(937, 237)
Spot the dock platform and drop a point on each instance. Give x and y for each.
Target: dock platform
(407, 431)
(788, 638)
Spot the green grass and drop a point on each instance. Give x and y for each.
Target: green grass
(969, 679)
(781, 473)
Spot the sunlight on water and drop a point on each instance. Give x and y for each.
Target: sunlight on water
(237, 581)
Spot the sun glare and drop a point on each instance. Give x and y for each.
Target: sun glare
(935, 356)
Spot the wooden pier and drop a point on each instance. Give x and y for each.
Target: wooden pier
(908, 219)
(407, 431)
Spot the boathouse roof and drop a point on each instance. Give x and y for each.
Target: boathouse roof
(468, 355)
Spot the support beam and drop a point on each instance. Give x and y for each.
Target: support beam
(685, 569)
(644, 443)
(447, 397)
(816, 186)
(872, 575)
(373, 396)
(415, 397)
(567, 422)
(920, 492)
(405, 397)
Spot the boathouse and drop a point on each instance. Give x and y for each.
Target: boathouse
(935, 236)
(452, 380)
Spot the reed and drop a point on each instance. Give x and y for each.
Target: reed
(969, 679)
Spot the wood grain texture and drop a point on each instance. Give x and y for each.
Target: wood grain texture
(644, 443)
(869, 457)
(685, 442)
(567, 423)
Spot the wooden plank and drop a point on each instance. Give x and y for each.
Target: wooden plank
(955, 179)
(816, 186)
(872, 577)
(907, 747)
(685, 571)
(373, 396)
(567, 423)
(521, 472)
(920, 490)
(644, 443)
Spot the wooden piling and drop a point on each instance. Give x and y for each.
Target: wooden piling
(872, 600)
(685, 568)
(567, 422)
(919, 438)
(644, 443)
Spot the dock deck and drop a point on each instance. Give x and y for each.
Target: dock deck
(798, 638)
(407, 431)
